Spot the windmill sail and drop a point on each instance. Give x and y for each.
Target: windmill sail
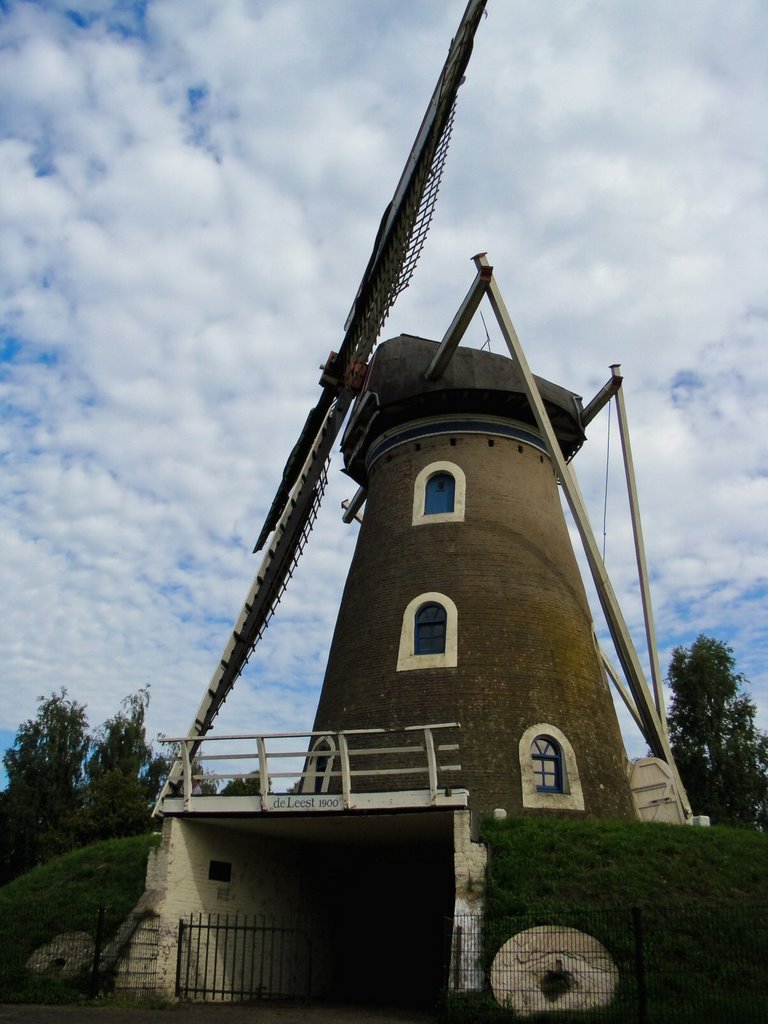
(398, 245)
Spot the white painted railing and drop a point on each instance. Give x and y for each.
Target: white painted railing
(322, 774)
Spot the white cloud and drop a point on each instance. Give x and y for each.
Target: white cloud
(188, 202)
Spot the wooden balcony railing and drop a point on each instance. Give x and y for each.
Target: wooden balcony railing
(317, 771)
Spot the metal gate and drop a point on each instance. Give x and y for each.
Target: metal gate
(232, 958)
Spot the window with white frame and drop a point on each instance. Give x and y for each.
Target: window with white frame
(439, 494)
(428, 636)
(549, 774)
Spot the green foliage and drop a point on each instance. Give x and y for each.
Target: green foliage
(65, 896)
(721, 755)
(124, 776)
(243, 787)
(120, 745)
(67, 788)
(45, 770)
(114, 805)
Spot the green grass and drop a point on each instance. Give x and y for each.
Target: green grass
(602, 865)
(702, 896)
(65, 896)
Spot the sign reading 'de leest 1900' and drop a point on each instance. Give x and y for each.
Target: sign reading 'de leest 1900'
(304, 802)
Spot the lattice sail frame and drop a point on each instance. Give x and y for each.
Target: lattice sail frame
(397, 248)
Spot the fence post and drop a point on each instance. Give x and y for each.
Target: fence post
(178, 957)
(94, 991)
(458, 954)
(642, 994)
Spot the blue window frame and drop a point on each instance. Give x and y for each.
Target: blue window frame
(439, 494)
(429, 629)
(547, 765)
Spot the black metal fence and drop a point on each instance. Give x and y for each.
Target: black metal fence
(655, 966)
(649, 966)
(50, 956)
(242, 958)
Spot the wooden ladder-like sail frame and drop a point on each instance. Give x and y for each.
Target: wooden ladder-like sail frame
(397, 247)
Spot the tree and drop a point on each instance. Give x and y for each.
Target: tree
(45, 769)
(123, 778)
(243, 787)
(67, 788)
(721, 755)
(120, 745)
(113, 806)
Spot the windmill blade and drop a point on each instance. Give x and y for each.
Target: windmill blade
(293, 466)
(286, 546)
(398, 244)
(276, 568)
(406, 220)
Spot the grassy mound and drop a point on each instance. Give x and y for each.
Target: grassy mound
(63, 898)
(539, 863)
(680, 912)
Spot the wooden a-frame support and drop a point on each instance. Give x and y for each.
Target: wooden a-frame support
(646, 709)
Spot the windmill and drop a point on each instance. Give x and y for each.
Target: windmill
(474, 613)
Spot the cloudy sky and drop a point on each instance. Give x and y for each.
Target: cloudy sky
(189, 193)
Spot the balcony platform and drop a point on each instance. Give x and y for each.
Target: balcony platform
(316, 803)
(321, 774)
(374, 818)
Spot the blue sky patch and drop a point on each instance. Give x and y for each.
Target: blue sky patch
(684, 384)
(125, 18)
(81, 20)
(7, 736)
(9, 348)
(196, 96)
(43, 162)
(15, 350)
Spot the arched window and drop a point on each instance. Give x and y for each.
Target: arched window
(429, 629)
(439, 494)
(429, 633)
(547, 765)
(549, 774)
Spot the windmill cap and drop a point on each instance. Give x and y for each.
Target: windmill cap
(474, 382)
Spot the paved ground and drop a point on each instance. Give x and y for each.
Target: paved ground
(196, 1013)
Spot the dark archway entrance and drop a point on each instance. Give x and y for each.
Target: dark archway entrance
(388, 907)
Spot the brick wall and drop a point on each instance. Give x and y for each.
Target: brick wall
(269, 877)
(525, 647)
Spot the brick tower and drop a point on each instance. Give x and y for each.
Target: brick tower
(464, 601)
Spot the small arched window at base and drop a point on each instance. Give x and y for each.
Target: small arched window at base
(549, 774)
(547, 765)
